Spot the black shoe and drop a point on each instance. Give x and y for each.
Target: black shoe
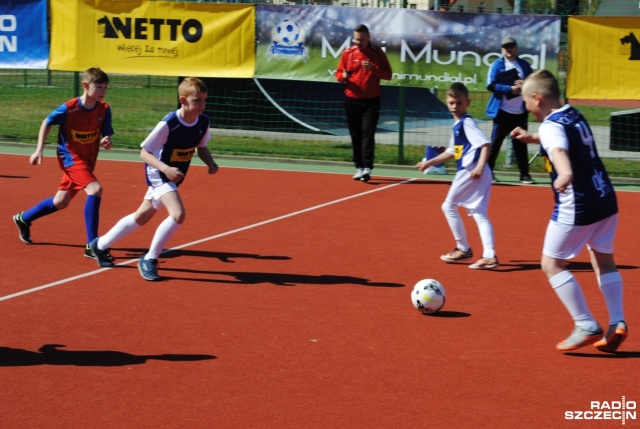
(527, 179)
(102, 257)
(24, 228)
(494, 179)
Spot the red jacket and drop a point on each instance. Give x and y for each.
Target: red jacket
(363, 83)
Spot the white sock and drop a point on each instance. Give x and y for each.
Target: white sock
(611, 288)
(161, 237)
(568, 290)
(456, 225)
(124, 227)
(486, 234)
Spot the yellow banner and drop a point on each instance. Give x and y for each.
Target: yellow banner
(604, 55)
(157, 38)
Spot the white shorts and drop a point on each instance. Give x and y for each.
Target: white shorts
(472, 194)
(567, 241)
(155, 193)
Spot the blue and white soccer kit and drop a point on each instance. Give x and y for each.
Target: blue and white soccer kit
(174, 142)
(585, 212)
(465, 144)
(471, 193)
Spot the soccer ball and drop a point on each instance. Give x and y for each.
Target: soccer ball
(428, 296)
(288, 33)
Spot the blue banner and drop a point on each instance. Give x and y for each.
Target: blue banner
(24, 42)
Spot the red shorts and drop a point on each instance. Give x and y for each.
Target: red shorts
(76, 178)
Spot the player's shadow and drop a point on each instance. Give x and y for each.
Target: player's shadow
(277, 279)
(49, 354)
(131, 252)
(419, 181)
(599, 355)
(227, 257)
(222, 256)
(375, 181)
(9, 176)
(586, 266)
(516, 266)
(430, 181)
(386, 180)
(576, 266)
(46, 243)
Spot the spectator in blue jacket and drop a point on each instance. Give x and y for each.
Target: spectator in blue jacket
(506, 106)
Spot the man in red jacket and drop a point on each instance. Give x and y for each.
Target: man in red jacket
(360, 68)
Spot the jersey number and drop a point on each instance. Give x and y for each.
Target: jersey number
(587, 137)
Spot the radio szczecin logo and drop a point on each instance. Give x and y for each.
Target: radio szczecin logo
(622, 411)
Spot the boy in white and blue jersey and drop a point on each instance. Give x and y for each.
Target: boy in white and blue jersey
(585, 213)
(471, 186)
(167, 153)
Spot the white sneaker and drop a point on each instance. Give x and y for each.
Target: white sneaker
(436, 170)
(366, 175)
(358, 174)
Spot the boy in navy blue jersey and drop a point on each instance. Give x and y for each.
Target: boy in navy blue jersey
(585, 213)
(167, 153)
(471, 186)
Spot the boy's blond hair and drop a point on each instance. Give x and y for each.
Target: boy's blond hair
(95, 75)
(190, 85)
(542, 82)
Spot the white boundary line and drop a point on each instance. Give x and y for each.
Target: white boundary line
(213, 237)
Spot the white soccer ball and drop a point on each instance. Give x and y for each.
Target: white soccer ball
(288, 33)
(428, 296)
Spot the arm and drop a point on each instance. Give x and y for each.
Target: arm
(383, 70)
(442, 158)
(482, 161)
(207, 158)
(173, 173)
(36, 157)
(562, 165)
(499, 88)
(107, 130)
(106, 142)
(342, 75)
(524, 136)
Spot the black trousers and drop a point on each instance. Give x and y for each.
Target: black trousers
(362, 119)
(503, 124)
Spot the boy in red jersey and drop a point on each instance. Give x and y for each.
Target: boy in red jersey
(84, 125)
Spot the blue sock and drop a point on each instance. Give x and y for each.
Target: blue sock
(92, 216)
(431, 152)
(43, 208)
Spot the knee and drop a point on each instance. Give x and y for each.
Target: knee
(551, 266)
(448, 209)
(179, 217)
(94, 188)
(61, 204)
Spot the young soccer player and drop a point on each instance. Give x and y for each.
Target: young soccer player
(471, 186)
(84, 124)
(585, 213)
(167, 153)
